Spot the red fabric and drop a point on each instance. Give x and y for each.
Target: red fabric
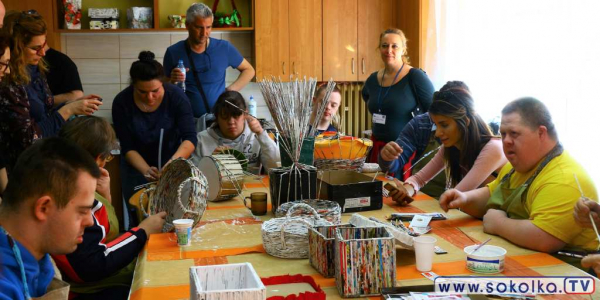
(407, 166)
(377, 145)
(298, 278)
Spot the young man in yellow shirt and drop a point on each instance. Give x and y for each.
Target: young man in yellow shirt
(531, 202)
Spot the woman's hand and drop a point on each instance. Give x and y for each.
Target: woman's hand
(254, 125)
(152, 174)
(83, 106)
(401, 194)
(391, 151)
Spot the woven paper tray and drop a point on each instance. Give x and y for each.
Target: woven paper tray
(328, 210)
(288, 237)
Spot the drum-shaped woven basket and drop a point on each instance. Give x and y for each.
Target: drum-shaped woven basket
(181, 191)
(334, 152)
(288, 237)
(328, 210)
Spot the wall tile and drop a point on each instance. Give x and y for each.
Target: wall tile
(125, 65)
(132, 44)
(98, 71)
(106, 91)
(92, 46)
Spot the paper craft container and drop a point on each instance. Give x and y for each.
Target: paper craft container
(288, 237)
(287, 185)
(353, 191)
(365, 261)
(321, 240)
(226, 282)
(328, 210)
(306, 152)
(341, 152)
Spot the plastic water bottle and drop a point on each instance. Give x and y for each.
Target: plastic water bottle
(252, 106)
(180, 66)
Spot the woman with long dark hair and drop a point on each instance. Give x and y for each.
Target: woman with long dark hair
(470, 155)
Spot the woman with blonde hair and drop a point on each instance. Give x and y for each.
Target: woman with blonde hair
(394, 93)
(27, 111)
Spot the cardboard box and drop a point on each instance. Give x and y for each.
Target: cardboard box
(226, 282)
(353, 191)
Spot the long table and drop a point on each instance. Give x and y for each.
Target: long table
(231, 234)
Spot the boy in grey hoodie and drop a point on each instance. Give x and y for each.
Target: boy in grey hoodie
(236, 130)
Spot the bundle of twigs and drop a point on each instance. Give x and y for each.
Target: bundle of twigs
(291, 105)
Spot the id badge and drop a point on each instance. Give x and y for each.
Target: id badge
(379, 119)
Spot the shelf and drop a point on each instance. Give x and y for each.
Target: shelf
(128, 30)
(162, 9)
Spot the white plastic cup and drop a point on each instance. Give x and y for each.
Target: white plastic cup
(183, 231)
(424, 252)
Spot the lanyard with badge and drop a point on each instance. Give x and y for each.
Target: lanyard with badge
(379, 118)
(17, 253)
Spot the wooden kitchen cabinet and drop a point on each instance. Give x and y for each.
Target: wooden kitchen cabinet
(351, 30)
(288, 39)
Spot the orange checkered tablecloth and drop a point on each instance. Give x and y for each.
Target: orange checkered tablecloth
(230, 234)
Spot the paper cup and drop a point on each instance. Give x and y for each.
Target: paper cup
(183, 230)
(424, 252)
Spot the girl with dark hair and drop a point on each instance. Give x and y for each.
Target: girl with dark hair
(471, 156)
(27, 111)
(146, 113)
(237, 130)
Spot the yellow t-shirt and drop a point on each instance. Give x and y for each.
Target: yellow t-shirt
(551, 198)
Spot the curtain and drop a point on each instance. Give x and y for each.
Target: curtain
(504, 50)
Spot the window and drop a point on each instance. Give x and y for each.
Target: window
(508, 49)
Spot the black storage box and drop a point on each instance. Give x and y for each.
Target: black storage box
(353, 191)
(287, 185)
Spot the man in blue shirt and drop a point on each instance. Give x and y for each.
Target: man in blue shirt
(40, 214)
(211, 59)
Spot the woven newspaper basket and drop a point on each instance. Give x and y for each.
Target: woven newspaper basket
(288, 237)
(321, 241)
(335, 152)
(365, 261)
(181, 191)
(328, 210)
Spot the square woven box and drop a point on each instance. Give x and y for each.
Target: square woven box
(321, 255)
(226, 282)
(365, 261)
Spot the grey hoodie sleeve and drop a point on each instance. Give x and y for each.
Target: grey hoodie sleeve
(269, 152)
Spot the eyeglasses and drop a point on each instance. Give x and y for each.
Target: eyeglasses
(38, 49)
(4, 66)
(206, 63)
(109, 157)
(32, 12)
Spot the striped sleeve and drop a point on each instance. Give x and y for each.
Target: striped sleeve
(94, 259)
